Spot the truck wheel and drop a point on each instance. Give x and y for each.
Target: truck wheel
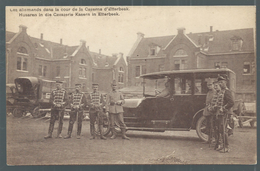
(17, 112)
(106, 126)
(201, 128)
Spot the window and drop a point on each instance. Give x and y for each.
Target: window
(177, 65)
(180, 53)
(143, 69)
(44, 71)
(236, 43)
(161, 67)
(182, 86)
(66, 71)
(83, 61)
(40, 70)
(121, 69)
(58, 71)
(22, 59)
(120, 77)
(224, 65)
(152, 51)
(247, 68)
(137, 71)
(183, 64)
(217, 65)
(80, 71)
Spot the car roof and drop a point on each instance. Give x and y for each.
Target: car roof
(162, 74)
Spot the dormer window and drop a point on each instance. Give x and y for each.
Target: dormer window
(154, 49)
(236, 43)
(83, 62)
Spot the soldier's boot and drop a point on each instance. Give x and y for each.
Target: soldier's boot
(113, 134)
(50, 131)
(123, 135)
(102, 132)
(92, 132)
(68, 135)
(59, 131)
(79, 131)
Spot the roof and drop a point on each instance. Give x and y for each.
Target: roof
(9, 35)
(158, 75)
(142, 49)
(103, 61)
(219, 42)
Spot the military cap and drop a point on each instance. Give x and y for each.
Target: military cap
(77, 84)
(210, 81)
(94, 84)
(59, 82)
(222, 77)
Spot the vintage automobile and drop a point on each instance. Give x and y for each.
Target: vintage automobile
(182, 109)
(31, 96)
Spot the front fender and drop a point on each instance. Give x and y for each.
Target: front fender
(196, 117)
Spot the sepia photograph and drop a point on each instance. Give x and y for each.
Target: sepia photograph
(121, 85)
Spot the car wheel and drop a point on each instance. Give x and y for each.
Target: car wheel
(17, 112)
(201, 128)
(106, 126)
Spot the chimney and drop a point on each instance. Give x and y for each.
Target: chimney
(121, 54)
(181, 30)
(82, 42)
(41, 36)
(211, 29)
(22, 28)
(60, 41)
(99, 51)
(140, 35)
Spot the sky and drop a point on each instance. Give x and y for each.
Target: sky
(114, 34)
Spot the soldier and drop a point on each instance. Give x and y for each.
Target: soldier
(58, 100)
(114, 103)
(206, 112)
(96, 102)
(78, 101)
(223, 104)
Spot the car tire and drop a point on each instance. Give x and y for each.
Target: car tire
(36, 113)
(17, 112)
(201, 127)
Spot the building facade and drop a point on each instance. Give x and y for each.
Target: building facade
(50, 61)
(233, 49)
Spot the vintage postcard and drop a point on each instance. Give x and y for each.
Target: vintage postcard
(90, 85)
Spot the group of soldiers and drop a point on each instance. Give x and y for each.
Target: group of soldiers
(218, 111)
(98, 109)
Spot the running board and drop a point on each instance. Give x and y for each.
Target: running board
(157, 129)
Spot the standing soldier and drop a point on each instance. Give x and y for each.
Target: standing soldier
(206, 113)
(225, 104)
(96, 102)
(114, 103)
(78, 101)
(58, 100)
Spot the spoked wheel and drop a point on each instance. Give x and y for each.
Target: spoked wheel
(106, 126)
(36, 113)
(18, 112)
(201, 128)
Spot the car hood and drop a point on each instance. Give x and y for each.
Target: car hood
(132, 103)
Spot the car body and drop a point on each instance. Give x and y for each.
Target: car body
(181, 109)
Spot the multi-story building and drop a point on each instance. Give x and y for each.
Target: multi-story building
(233, 49)
(30, 56)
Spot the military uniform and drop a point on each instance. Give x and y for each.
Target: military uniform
(114, 107)
(225, 103)
(78, 101)
(96, 102)
(58, 100)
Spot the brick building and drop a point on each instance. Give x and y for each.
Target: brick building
(30, 56)
(233, 49)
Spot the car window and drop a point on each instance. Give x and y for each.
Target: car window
(182, 85)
